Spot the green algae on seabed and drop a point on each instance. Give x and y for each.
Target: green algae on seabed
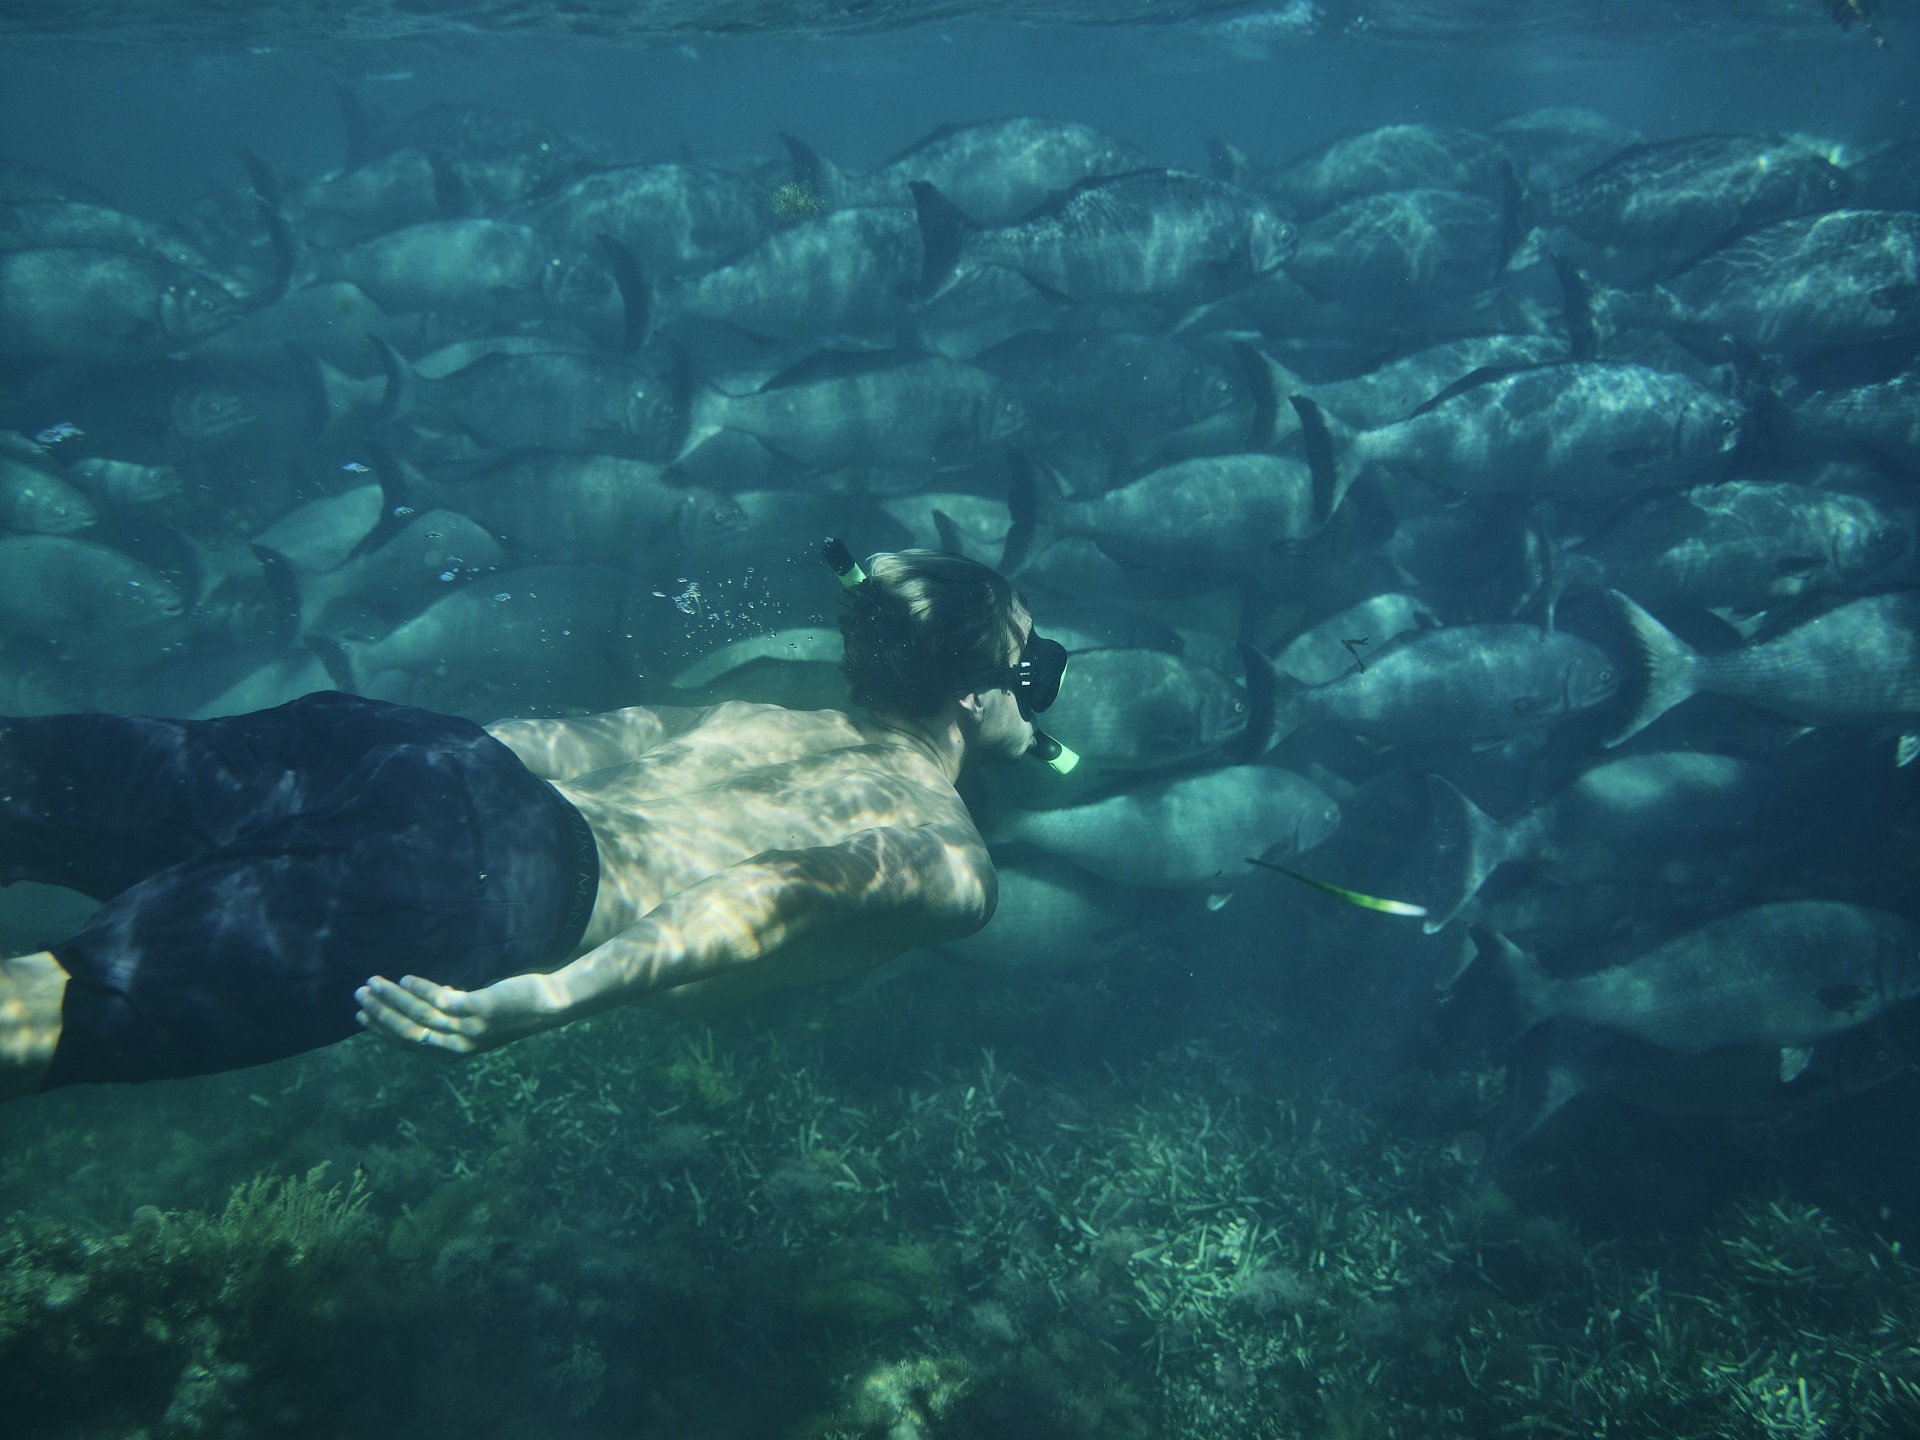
(799, 1224)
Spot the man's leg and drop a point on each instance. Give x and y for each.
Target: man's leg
(31, 989)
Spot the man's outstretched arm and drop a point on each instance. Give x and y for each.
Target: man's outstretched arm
(783, 917)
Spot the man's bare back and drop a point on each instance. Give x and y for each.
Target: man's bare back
(677, 797)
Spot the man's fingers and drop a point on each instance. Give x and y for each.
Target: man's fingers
(442, 997)
(390, 1025)
(425, 1003)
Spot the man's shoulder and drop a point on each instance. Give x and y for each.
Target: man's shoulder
(755, 715)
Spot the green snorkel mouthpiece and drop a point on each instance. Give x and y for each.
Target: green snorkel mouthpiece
(1058, 757)
(840, 560)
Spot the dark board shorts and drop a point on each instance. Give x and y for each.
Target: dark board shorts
(256, 870)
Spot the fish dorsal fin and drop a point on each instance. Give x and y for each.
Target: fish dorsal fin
(1059, 198)
(933, 137)
(825, 365)
(1473, 380)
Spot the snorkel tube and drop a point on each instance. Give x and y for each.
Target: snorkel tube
(1057, 757)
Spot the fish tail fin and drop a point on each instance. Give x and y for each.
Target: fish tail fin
(1542, 1078)
(636, 294)
(1667, 668)
(260, 178)
(397, 399)
(1539, 574)
(1521, 995)
(283, 584)
(338, 662)
(814, 172)
(399, 396)
(1513, 225)
(1275, 707)
(317, 395)
(1583, 308)
(705, 409)
(1031, 493)
(1227, 161)
(944, 232)
(948, 534)
(285, 254)
(1262, 377)
(1467, 846)
(396, 500)
(1331, 456)
(451, 193)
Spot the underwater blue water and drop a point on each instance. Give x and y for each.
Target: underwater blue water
(1505, 502)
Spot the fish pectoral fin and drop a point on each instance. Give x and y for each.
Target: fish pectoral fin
(1844, 999)
(1794, 1060)
(1905, 750)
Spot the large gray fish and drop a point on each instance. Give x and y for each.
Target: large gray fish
(521, 625)
(917, 413)
(34, 499)
(1882, 417)
(1141, 394)
(408, 570)
(1395, 390)
(1135, 709)
(1050, 919)
(486, 270)
(1464, 682)
(126, 482)
(1408, 253)
(106, 308)
(1229, 515)
(996, 171)
(1787, 974)
(1186, 832)
(82, 596)
(1794, 289)
(400, 188)
(1859, 663)
(1743, 544)
(594, 510)
(674, 219)
(549, 399)
(1335, 646)
(1158, 236)
(846, 272)
(1674, 199)
(55, 224)
(1577, 429)
(1557, 1063)
(1640, 818)
(1394, 157)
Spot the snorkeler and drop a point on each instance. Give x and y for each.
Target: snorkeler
(255, 869)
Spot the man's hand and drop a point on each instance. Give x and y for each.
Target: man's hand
(438, 1020)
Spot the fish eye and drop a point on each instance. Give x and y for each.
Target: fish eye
(1728, 423)
(1606, 677)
